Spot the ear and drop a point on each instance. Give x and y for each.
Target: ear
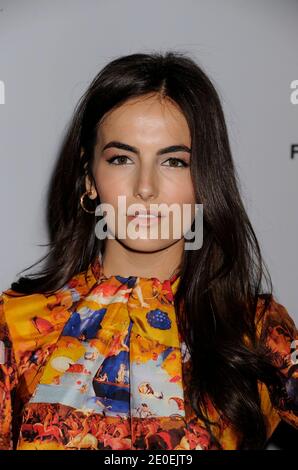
(90, 188)
(82, 152)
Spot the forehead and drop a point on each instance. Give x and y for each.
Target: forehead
(147, 117)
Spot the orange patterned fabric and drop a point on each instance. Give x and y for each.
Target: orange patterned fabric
(101, 365)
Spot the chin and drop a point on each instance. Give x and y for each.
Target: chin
(147, 246)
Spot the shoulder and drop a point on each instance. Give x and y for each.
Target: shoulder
(279, 337)
(29, 317)
(274, 317)
(277, 332)
(14, 302)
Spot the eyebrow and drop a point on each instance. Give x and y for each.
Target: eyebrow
(130, 148)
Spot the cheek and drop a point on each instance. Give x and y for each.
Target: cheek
(109, 193)
(179, 190)
(188, 195)
(109, 186)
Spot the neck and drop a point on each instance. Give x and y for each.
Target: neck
(119, 260)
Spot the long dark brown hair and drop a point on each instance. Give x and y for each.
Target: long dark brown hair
(221, 282)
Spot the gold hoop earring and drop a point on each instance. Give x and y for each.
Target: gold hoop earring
(82, 203)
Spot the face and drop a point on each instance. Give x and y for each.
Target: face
(151, 168)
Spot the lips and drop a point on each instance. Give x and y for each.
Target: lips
(145, 214)
(145, 218)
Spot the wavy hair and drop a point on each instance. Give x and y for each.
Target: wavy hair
(220, 283)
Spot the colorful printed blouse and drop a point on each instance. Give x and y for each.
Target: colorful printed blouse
(101, 365)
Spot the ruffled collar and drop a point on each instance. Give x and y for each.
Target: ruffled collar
(170, 284)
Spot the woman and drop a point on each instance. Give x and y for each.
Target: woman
(138, 342)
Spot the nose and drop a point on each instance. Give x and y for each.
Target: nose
(146, 184)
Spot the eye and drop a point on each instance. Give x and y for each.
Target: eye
(116, 157)
(176, 161)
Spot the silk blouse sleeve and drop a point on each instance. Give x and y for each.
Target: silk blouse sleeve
(8, 382)
(280, 338)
